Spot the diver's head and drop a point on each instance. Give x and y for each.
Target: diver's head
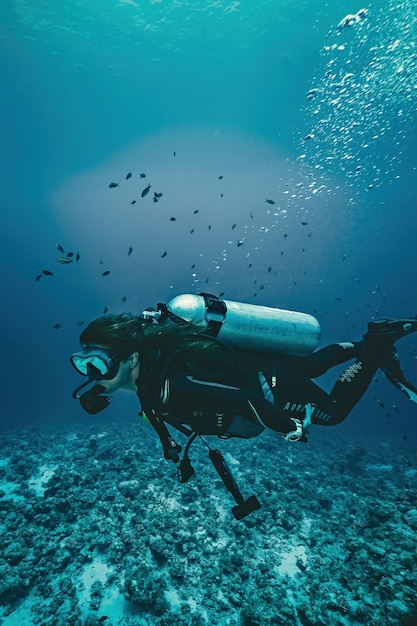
(100, 363)
(109, 356)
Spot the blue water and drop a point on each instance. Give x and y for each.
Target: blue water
(91, 93)
(270, 96)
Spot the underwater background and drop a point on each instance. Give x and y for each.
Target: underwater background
(281, 141)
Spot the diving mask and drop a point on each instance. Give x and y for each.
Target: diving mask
(96, 363)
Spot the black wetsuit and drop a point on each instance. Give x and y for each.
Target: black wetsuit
(250, 392)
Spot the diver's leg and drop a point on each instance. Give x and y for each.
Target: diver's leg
(355, 379)
(376, 350)
(295, 389)
(319, 362)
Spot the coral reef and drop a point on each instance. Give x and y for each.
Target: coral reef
(96, 529)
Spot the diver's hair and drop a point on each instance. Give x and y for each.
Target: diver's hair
(199, 352)
(120, 333)
(125, 333)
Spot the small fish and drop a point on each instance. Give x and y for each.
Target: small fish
(250, 265)
(129, 175)
(221, 294)
(304, 223)
(155, 198)
(234, 226)
(158, 195)
(106, 273)
(57, 326)
(142, 175)
(47, 273)
(269, 201)
(196, 211)
(60, 248)
(133, 202)
(164, 255)
(239, 243)
(64, 260)
(113, 185)
(251, 215)
(379, 402)
(209, 227)
(191, 231)
(394, 406)
(146, 191)
(129, 252)
(172, 219)
(70, 255)
(193, 266)
(175, 154)
(79, 323)
(309, 136)
(220, 177)
(77, 257)
(38, 277)
(124, 299)
(221, 195)
(106, 308)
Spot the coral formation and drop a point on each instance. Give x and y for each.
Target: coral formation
(96, 529)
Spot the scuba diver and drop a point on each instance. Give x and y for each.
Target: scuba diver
(192, 372)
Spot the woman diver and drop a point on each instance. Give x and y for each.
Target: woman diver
(190, 379)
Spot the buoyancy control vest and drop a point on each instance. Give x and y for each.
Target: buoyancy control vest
(250, 327)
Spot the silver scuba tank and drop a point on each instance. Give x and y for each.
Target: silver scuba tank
(250, 326)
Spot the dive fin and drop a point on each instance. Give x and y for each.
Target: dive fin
(407, 388)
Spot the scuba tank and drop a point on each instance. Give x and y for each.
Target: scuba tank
(249, 326)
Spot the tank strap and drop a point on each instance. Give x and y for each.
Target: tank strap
(215, 315)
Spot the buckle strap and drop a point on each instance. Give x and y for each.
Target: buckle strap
(215, 315)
